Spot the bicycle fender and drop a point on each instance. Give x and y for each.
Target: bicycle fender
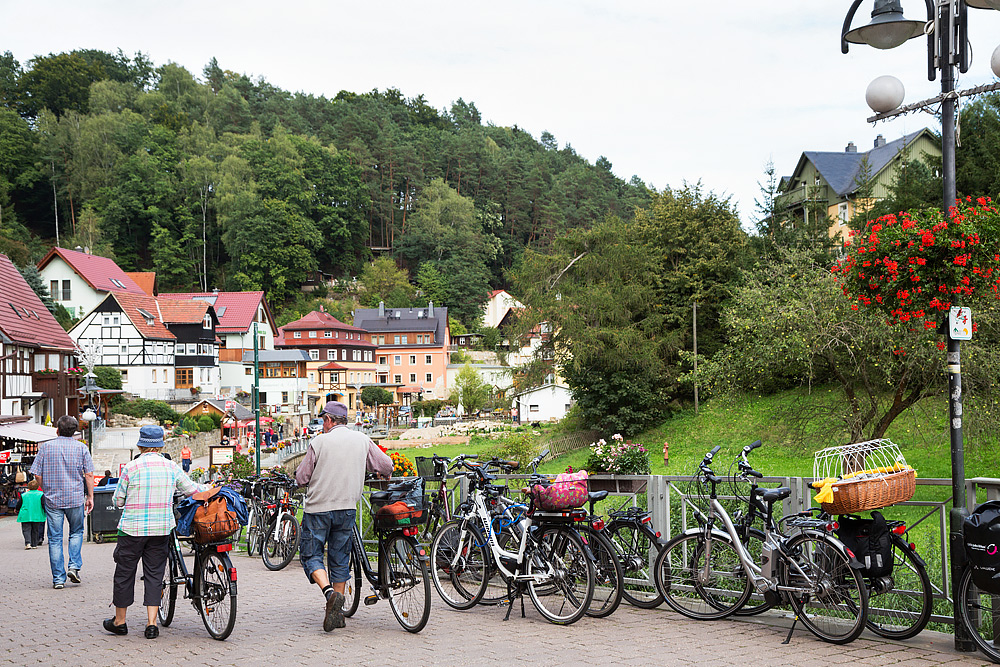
(716, 534)
(852, 559)
(898, 541)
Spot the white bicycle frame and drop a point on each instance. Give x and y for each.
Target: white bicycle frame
(761, 582)
(485, 518)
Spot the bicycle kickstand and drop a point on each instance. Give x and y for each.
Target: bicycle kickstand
(791, 630)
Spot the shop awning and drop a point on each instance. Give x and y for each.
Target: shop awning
(27, 432)
(244, 423)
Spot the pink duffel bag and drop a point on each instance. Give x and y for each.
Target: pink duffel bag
(568, 491)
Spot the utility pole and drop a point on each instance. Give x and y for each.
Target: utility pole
(256, 397)
(695, 329)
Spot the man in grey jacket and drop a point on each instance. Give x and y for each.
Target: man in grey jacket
(334, 468)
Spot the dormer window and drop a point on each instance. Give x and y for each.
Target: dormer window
(207, 322)
(145, 314)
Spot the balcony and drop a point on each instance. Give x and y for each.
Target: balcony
(61, 387)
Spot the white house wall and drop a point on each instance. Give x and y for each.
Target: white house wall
(543, 404)
(147, 365)
(83, 297)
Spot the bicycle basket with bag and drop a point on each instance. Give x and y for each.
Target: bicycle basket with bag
(871, 542)
(567, 491)
(981, 531)
(402, 504)
(213, 521)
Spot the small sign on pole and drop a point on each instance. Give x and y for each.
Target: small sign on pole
(230, 406)
(960, 323)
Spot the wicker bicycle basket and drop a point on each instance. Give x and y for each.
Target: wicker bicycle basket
(869, 475)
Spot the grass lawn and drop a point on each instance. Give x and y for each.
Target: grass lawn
(790, 439)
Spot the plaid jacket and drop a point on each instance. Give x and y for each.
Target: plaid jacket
(62, 464)
(146, 489)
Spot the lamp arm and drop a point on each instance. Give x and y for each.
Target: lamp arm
(850, 19)
(963, 37)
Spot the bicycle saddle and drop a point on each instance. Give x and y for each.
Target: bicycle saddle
(773, 495)
(378, 496)
(594, 496)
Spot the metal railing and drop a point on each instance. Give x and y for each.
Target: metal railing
(671, 503)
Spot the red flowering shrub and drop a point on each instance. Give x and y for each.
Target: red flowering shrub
(914, 268)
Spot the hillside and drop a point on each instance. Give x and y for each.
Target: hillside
(922, 435)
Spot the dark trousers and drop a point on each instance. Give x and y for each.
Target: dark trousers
(186, 463)
(34, 532)
(153, 552)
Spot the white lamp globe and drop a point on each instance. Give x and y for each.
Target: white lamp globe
(995, 61)
(884, 94)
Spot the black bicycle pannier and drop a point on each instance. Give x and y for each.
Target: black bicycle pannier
(981, 531)
(870, 541)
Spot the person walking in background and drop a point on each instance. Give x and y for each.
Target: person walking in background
(146, 491)
(64, 470)
(186, 458)
(31, 515)
(334, 468)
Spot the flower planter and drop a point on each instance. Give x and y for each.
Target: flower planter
(617, 484)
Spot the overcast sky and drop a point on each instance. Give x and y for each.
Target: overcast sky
(669, 91)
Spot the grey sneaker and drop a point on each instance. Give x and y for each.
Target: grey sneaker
(334, 612)
(74, 575)
(58, 587)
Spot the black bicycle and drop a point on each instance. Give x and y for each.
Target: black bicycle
(210, 585)
(400, 572)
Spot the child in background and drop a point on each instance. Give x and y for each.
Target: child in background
(31, 516)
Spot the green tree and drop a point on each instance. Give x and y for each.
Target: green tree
(446, 229)
(594, 296)
(470, 391)
(385, 282)
(373, 396)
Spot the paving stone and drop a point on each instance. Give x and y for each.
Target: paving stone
(279, 622)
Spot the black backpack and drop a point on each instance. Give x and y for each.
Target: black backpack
(981, 531)
(871, 542)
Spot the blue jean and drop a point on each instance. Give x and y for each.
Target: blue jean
(54, 517)
(186, 463)
(333, 530)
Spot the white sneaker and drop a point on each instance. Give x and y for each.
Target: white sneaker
(27, 546)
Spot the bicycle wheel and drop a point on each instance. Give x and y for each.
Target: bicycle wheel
(567, 586)
(978, 610)
(352, 589)
(608, 575)
(828, 595)
(216, 601)
(407, 582)
(459, 565)
(168, 596)
(899, 606)
(637, 549)
(254, 530)
(280, 548)
(696, 588)
(752, 542)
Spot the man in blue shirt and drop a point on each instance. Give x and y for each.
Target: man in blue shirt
(65, 469)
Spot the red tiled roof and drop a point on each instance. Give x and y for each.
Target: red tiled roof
(332, 366)
(144, 279)
(98, 272)
(183, 312)
(130, 305)
(236, 310)
(320, 320)
(23, 317)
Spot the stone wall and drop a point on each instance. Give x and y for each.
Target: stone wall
(199, 444)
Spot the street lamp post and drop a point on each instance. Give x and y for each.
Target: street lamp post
(89, 414)
(946, 29)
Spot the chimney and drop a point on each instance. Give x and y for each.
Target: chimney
(851, 148)
(879, 141)
(381, 308)
(78, 248)
(430, 309)
(215, 290)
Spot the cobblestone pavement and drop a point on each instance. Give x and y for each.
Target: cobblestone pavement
(279, 622)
